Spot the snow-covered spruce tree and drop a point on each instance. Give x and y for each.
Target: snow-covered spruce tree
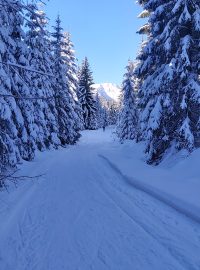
(144, 30)
(41, 84)
(9, 153)
(127, 121)
(72, 76)
(86, 98)
(66, 115)
(36, 119)
(10, 118)
(49, 83)
(13, 57)
(169, 72)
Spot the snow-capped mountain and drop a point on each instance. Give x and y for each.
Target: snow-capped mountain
(108, 91)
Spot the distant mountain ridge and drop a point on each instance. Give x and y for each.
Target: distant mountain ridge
(108, 91)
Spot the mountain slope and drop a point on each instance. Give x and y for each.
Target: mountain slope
(108, 91)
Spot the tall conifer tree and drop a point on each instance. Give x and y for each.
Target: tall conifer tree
(10, 117)
(169, 73)
(86, 98)
(42, 85)
(66, 115)
(127, 121)
(72, 76)
(14, 56)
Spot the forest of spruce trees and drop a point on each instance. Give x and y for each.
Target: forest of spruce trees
(46, 99)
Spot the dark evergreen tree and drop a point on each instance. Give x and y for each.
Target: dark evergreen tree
(127, 121)
(113, 113)
(66, 115)
(101, 113)
(86, 98)
(169, 75)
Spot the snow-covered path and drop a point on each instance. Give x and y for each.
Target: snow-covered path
(83, 215)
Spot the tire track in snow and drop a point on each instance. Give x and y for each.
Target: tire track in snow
(136, 223)
(176, 251)
(137, 185)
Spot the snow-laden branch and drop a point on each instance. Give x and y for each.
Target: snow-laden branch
(24, 97)
(27, 68)
(29, 98)
(23, 6)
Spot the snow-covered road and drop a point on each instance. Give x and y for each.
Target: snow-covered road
(83, 215)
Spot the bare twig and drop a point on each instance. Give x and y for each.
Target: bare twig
(13, 178)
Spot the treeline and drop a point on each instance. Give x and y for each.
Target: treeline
(161, 89)
(45, 99)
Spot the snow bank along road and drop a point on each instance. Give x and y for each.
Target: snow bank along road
(82, 215)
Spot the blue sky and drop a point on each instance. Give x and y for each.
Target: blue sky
(102, 30)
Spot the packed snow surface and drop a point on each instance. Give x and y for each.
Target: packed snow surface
(84, 213)
(108, 91)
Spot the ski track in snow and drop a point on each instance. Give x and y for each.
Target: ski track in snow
(85, 216)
